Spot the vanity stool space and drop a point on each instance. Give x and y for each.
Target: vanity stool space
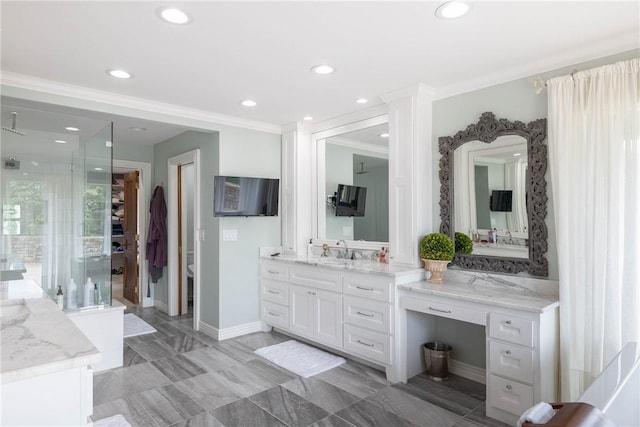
(346, 307)
(521, 339)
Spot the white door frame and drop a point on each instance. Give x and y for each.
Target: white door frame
(144, 197)
(172, 230)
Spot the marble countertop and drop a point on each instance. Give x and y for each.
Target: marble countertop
(516, 293)
(357, 266)
(37, 338)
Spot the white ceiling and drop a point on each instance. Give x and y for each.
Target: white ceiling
(264, 50)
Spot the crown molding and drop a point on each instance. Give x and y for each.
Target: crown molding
(410, 91)
(37, 89)
(599, 49)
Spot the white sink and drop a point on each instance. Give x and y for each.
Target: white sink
(13, 310)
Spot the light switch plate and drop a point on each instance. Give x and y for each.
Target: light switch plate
(229, 235)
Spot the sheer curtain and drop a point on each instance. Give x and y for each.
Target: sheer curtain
(594, 155)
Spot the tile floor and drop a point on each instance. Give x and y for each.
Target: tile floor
(181, 377)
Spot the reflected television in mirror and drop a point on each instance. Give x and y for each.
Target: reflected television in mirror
(245, 196)
(500, 200)
(350, 200)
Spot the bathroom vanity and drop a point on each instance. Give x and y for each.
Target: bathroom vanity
(366, 310)
(46, 371)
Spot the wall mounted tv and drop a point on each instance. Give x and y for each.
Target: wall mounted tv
(500, 200)
(245, 196)
(350, 200)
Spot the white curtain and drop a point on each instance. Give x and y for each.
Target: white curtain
(594, 157)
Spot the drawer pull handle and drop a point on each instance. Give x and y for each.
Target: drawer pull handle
(364, 343)
(439, 311)
(509, 387)
(365, 289)
(311, 293)
(364, 314)
(508, 352)
(274, 314)
(273, 292)
(273, 272)
(508, 322)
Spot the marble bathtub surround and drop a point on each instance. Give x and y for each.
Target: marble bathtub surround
(38, 339)
(238, 388)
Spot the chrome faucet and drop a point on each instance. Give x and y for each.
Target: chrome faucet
(344, 255)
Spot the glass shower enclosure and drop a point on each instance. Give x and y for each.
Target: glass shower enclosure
(56, 203)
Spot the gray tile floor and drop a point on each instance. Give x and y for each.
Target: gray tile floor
(181, 377)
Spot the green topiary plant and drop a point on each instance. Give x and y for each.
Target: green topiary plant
(437, 246)
(464, 245)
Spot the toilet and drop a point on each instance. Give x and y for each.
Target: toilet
(191, 271)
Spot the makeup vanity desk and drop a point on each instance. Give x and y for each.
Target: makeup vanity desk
(520, 316)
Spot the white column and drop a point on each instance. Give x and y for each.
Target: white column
(411, 194)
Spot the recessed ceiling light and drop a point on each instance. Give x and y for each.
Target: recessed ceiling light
(97, 169)
(384, 135)
(120, 74)
(173, 15)
(249, 103)
(452, 9)
(307, 118)
(60, 141)
(34, 163)
(322, 69)
(72, 129)
(361, 101)
(137, 129)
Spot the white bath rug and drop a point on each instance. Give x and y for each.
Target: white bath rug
(114, 421)
(299, 358)
(134, 326)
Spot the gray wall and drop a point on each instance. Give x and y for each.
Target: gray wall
(208, 143)
(244, 152)
(515, 100)
(124, 151)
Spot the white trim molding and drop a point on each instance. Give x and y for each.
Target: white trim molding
(37, 89)
(232, 332)
(467, 371)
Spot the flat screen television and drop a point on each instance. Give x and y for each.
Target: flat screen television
(500, 200)
(245, 196)
(350, 200)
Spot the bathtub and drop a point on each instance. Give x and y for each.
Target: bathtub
(616, 391)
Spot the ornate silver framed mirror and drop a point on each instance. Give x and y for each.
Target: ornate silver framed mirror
(493, 189)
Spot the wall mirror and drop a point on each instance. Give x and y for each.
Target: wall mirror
(352, 171)
(492, 180)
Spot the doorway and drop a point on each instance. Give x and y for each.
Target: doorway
(184, 234)
(130, 207)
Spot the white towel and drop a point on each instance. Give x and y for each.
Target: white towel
(537, 414)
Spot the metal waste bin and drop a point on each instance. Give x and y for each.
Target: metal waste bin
(436, 356)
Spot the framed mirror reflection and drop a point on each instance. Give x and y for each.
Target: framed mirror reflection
(352, 172)
(493, 189)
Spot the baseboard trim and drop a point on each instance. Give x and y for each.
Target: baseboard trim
(161, 306)
(467, 371)
(227, 333)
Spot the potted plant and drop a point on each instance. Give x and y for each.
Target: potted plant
(436, 250)
(463, 243)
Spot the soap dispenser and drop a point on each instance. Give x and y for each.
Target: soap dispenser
(72, 295)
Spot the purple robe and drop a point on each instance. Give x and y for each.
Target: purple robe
(157, 238)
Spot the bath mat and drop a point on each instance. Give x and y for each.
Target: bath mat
(299, 358)
(114, 421)
(134, 326)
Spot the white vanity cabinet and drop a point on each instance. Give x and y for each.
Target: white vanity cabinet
(316, 314)
(274, 292)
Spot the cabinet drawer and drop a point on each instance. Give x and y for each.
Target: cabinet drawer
(275, 314)
(511, 329)
(369, 314)
(368, 286)
(443, 309)
(371, 345)
(275, 291)
(510, 361)
(320, 278)
(510, 396)
(274, 271)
